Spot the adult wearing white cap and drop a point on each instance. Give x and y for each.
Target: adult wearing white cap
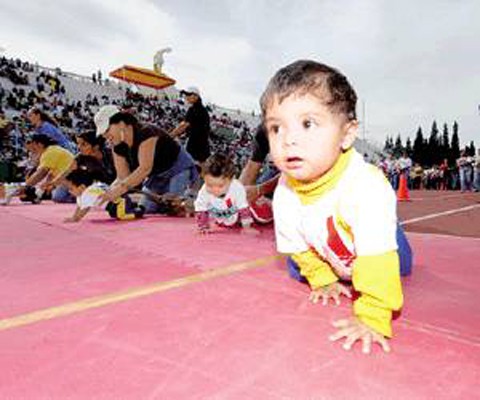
(143, 154)
(196, 126)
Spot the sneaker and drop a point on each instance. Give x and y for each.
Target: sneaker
(262, 211)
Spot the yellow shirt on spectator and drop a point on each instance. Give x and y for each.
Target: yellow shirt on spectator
(56, 159)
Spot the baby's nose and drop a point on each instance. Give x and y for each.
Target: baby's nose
(290, 137)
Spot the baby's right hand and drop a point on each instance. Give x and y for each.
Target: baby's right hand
(332, 291)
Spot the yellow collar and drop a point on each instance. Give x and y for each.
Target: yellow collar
(310, 192)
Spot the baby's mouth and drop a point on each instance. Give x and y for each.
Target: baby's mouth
(294, 162)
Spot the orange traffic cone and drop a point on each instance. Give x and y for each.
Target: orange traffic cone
(402, 192)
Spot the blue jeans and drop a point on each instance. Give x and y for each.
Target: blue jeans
(178, 179)
(61, 195)
(268, 172)
(394, 178)
(476, 180)
(465, 178)
(404, 254)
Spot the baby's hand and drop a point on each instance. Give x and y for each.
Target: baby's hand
(353, 329)
(332, 291)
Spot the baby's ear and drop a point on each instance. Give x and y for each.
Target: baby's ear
(351, 130)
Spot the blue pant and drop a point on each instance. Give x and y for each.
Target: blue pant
(178, 179)
(465, 178)
(61, 195)
(404, 253)
(476, 179)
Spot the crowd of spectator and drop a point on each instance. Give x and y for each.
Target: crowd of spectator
(463, 175)
(33, 88)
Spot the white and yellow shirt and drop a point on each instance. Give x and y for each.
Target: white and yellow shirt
(90, 197)
(344, 225)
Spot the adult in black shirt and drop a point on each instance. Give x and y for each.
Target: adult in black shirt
(255, 185)
(196, 126)
(144, 154)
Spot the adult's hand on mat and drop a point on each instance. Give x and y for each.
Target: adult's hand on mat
(353, 330)
(112, 194)
(332, 291)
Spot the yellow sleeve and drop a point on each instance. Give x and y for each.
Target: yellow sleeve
(377, 278)
(47, 159)
(312, 267)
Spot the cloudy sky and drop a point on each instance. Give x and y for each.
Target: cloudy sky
(411, 61)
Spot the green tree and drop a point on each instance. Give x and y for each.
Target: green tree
(388, 145)
(398, 147)
(418, 147)
(408, 147)
(455, 144)
(444, 143)
(433, 146)
(471, 149)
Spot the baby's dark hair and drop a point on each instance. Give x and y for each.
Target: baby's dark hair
(219, 165)
(79, 177)
(310, 77)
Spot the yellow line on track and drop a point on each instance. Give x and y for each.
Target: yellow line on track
(129, 294)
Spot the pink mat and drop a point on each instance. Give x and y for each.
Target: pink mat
(251, 335)
(155, 235)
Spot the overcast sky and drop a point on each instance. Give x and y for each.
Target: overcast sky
(410, 61)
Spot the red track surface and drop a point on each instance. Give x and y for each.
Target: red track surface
(247, 335)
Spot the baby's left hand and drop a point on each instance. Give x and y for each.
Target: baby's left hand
(353, 329)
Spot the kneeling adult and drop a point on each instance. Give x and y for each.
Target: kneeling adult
(144, 154)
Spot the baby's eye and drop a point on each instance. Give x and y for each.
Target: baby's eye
(308, 123)
(273, 129)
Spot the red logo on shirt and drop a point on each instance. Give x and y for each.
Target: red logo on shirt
(338, 254)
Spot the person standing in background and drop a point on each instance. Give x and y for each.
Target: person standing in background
(196, 126)
(476, 172)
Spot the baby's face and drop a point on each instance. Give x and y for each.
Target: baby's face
(217, 186)
(305, 137)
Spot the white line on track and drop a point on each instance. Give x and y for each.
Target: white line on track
(436, 198)
(440, 214)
